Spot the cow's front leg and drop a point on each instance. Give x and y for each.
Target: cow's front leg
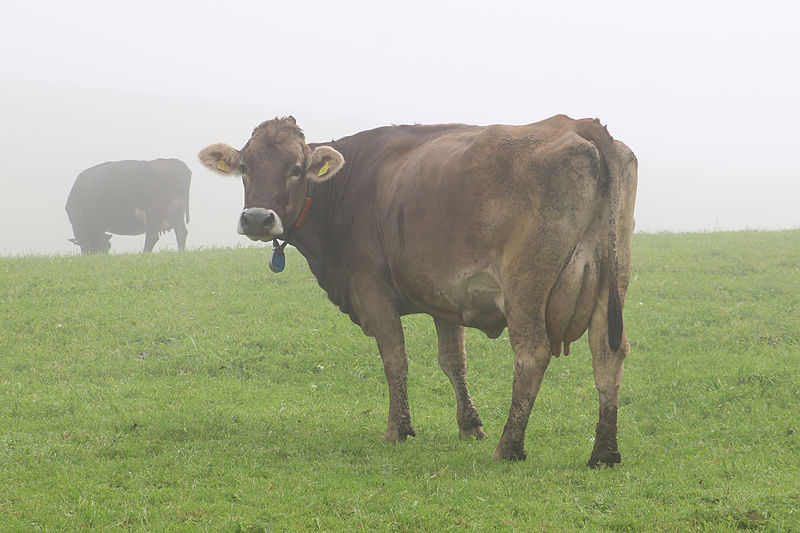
(453, 361)
(388, 333)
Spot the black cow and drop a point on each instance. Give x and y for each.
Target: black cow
(129, 198)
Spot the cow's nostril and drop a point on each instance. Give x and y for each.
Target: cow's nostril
(269, 220)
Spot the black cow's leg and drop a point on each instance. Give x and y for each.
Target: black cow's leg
(150, 239)
(607, 377)
(453, 361)
(180, 235)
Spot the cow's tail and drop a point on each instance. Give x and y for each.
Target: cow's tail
(594, 131)
(186, 196)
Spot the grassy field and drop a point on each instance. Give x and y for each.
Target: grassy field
(198, 391)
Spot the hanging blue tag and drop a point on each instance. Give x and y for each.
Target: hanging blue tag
(277, 260)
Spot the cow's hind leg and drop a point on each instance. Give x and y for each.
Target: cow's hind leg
(453, 361)
(180, 234)
(607, 377)
(150, 239)
(528, 337)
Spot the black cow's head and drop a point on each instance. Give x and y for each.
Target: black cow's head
(275, 165)
(99, 243)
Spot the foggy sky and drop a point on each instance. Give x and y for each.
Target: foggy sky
(705, 93)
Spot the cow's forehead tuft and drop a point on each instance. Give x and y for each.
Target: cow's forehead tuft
(277, 131)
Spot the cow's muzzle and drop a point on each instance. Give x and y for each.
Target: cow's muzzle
(260, 224)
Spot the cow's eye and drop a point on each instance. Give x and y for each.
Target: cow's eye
(296, 170)
(242, 169)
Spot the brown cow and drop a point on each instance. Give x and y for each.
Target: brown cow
(525, 227)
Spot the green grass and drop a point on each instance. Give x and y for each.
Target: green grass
(198, 391)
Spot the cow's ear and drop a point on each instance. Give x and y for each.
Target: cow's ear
(222, 158)
(323, 163)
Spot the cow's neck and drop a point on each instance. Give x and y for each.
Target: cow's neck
(310, 237)
(318, 241)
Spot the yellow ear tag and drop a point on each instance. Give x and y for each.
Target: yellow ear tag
(223, 166)
(324, 169)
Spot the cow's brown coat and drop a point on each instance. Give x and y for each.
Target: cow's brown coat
(525, 227)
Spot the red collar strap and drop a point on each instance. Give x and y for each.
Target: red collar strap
(307, 206)
(303, 213)
(277, 260)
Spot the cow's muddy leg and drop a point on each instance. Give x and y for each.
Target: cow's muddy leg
(531, 357)
(391, 344)
(607, 377)
(453, 361)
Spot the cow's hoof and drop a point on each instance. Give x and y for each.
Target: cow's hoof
(400, 434)
(509, 454)
(605, 457)
(476, 432)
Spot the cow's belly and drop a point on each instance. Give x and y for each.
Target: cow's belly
(126, 222)
(472, 299)
(480, 302)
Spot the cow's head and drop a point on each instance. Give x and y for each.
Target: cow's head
(94, 244)
(276, 164)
